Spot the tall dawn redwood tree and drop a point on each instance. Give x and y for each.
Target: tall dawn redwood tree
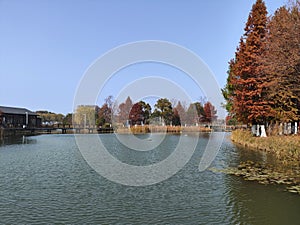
(282, 62)
(249, 83)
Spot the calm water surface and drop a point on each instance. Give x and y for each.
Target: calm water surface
(44, 179)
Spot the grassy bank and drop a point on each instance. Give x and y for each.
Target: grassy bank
(285, 148)
(161, 129)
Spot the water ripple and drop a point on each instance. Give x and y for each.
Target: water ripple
(47, 181)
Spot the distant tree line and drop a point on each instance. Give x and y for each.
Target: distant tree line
(263, 78)
(51, 118)
(129, 113)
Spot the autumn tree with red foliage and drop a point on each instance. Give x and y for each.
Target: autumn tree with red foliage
(248, 83)
(210, 113)
(263, 78)
(250, 101)
(282, 63)
(140, 113)
(105, 113)
(176, 119)
(136, 114)
(124, 109)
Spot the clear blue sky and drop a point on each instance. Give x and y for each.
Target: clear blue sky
(47, 45)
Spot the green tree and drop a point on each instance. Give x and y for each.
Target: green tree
(50, 117)
(68, 119)
(228, 90)
(200, 111)
(195, 114)
(163, 109)
(146, 110)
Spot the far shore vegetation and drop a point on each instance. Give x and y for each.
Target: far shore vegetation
(139, 115)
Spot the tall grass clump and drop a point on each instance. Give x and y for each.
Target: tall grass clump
(285, 148)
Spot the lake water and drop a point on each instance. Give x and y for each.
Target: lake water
(44, 179)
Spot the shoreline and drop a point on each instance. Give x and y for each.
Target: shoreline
(120, 130)
(286, 149)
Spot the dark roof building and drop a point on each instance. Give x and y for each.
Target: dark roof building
(14, 110)
(18, 117)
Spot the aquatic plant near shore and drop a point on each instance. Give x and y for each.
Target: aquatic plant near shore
(265, 174)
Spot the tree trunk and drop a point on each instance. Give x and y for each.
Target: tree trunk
(253, 130)
(257, 131)
(289, 128)
(263, 131)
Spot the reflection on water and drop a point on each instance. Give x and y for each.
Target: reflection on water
(258, 204)
(133, 157)
(255, 203)
(12, 140)
(47, 181)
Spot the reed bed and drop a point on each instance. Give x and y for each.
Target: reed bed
(196, 129)
(160, 129)
(285, 148)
